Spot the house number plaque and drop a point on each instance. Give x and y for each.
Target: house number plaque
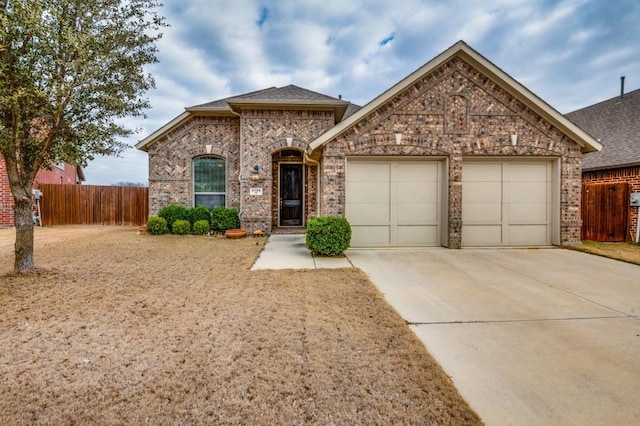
(255, 191)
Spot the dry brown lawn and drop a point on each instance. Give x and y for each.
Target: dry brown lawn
(121, 328)
(626, 252)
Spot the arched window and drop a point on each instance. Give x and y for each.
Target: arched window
(209, 182)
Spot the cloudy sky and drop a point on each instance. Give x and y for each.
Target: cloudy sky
(571, 53)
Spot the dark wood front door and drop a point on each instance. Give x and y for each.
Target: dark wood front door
(291, 195)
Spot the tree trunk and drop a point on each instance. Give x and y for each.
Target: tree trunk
(24, 260)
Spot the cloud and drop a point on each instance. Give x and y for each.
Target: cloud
(569, 52)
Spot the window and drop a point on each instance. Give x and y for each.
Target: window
(209, 182)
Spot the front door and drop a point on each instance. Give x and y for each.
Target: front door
(290, 194)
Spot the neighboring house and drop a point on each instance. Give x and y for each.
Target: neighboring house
(616, 123)
(456, 154)
(60, 173)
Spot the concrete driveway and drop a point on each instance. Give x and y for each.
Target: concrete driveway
(529, 337)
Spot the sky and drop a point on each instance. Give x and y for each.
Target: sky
(571, 53)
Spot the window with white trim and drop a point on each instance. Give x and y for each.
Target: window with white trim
(209, 182)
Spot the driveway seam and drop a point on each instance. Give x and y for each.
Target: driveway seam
(518, 320)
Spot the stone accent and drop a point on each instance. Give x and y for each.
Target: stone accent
(455, 112)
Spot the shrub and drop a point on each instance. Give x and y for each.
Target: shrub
(173, 212)
(223, 218)
(328, 235)
(181, 227)
(201, 227)
(199, 213)
(157, 225)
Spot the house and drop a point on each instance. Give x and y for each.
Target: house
(456, 154)
(60, 173)
(616, 123)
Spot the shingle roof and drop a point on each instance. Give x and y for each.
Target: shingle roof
(272, 94)
(616, 124)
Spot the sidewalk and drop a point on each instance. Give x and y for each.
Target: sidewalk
(290, 252)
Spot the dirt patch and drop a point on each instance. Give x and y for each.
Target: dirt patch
(626, 252)
(121, 328)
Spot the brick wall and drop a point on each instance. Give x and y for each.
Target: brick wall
(455, 112)
(255, 142)
(6, 199)
(624, 174)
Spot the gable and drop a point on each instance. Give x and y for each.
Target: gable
(448, 82)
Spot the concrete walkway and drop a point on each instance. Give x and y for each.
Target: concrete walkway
(290, 252)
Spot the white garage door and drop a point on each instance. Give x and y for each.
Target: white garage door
(393, 203)
(506, 203)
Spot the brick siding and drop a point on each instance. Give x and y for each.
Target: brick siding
(455, 112)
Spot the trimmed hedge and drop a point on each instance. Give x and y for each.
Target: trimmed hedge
(223, 218)
(199, 213)
(173, 212)
(201, 227)
(181, 227)
(328, 235)
(157, 225)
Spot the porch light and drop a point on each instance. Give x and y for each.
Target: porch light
(398, 138)
(255, 173)
(289, 142)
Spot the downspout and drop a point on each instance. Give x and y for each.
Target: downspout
(638, 227)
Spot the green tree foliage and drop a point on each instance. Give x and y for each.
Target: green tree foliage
(70, 71)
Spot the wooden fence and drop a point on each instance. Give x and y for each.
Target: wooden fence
(93, 205)
(605, 211)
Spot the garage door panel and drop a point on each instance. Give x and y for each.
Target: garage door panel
(409, 192)
(370, 236)
(528, 212)
(535, 172)
(479, 213)
(418, 214)
(482, 192)
(483, 172)
(417, 235)
(423, 172)
(528, 234)
(369, 172)
(368, 214)
(368, 192)
(527, 192)
(482, 235)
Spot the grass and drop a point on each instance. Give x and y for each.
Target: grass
(120, 328)
(626, 252)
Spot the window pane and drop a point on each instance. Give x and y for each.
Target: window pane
(210, 200)
(209, 175)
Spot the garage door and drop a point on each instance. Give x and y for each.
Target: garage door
(506, 203)
(393, 203)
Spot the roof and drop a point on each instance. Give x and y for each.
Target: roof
(616, 123)
(290, 96)
(506, 82)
